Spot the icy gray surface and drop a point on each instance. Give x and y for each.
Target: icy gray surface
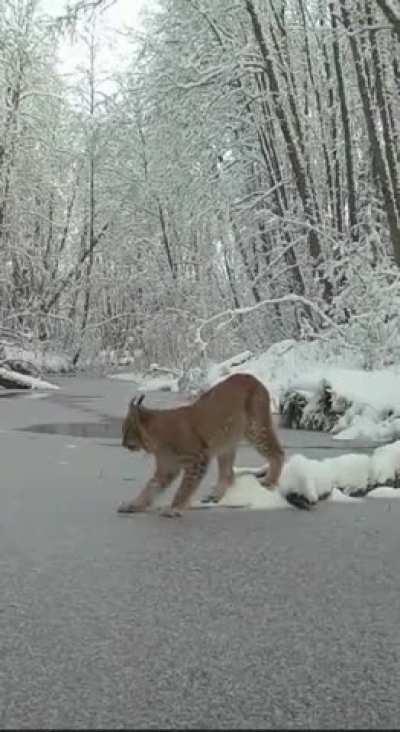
(225, 618)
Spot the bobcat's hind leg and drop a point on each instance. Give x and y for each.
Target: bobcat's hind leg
(265, 441)
(226, 477)
(161, 479)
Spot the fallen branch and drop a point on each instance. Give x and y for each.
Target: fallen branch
(13, 380)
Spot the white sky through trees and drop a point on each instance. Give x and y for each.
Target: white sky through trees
(114, 136)
(111, 22)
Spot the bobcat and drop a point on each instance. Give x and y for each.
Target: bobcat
(188, 437)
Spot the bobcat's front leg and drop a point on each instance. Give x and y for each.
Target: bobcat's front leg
(161, 479)
(192, 477)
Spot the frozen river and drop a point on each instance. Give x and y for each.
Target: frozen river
(225, 618)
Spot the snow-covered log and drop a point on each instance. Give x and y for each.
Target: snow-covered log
(13, 380)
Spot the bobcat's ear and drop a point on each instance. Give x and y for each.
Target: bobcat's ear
(136, 402)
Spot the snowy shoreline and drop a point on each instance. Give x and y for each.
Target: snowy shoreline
(309, 393)
(327, 394)
(309, 387)
(346, 402)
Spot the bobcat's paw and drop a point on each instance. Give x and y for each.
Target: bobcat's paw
(267, 483)
(170, 513)
(130, 507)
(212, 498)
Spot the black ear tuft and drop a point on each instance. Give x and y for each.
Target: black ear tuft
(136, 402)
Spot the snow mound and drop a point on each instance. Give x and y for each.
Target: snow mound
(384, 491)
(311, 478)
(339, 497)
(385, 464)
(247, 491)
(331, 390)
(319, 479)
(299, 476)
(351, 405)
(343, 479)
(157, 378)
(373, 388)
(127, 376)
(148, 383)
(283, 365)
(352, 475)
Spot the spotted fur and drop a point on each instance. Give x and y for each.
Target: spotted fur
(185, 439)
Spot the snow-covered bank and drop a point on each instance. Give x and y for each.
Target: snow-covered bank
(155, 380)
(34, 362)
(353, 474)
(158, 378)
(284, 364)
(315, 389)
(349, 403)
(311, 385)
(345, 479)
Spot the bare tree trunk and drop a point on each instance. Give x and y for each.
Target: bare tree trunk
(344, 112)
(166, 242)
(388, 185)
(296, 159)
(92, 202)
(266, 139)
(161, 213)
(318, 103)
(385, 108)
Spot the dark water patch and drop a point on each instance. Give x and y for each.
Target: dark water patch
(11, 394)
(110, 428)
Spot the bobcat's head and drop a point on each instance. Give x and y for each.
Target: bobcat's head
(130, 427)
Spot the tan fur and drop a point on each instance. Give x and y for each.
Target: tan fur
(186, 439)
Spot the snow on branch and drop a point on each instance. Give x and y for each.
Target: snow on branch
(233, 313)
